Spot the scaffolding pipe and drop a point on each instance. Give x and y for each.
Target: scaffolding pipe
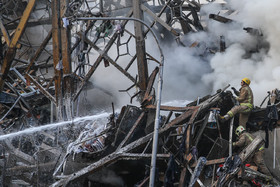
(156, 127)
(51, 111)
(274, 148)
(230, 137)
(158, 101)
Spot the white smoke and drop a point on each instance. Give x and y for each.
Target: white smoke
(182, 74)
(109, 85)
(189, 74)
(262, 67)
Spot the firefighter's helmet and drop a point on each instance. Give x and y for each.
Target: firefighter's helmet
(247, 81)
(239, 130)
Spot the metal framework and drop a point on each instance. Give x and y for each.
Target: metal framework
(60, 56)
(77, 38)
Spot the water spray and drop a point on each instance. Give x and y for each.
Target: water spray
(54, 125)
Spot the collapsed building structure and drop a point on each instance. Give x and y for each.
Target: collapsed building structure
(42, 83)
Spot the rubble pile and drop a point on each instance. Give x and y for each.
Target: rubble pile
(51, 56)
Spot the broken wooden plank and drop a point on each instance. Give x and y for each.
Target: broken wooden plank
(216, 161)
(188, 139)
(183, 118)
(182, 177)
(171, 108)
(208, 103)
(5, 33)
(212, 162)
(201, 130)
(150, 83)
(251, 148)
(157, 19)
(220, 18)
(130, 62)
(152, 58)
(39, 51)
(19, 170)
(168, 117)
(147, 100)
(159, 14)
(40, 87)
(144, 181)
(134, 156)
(23, 156)
(138, 121)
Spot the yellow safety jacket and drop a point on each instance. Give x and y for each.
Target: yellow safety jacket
(244, 140)
(246, 97)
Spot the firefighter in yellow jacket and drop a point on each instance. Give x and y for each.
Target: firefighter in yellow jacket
(246, 103)
(245, 139)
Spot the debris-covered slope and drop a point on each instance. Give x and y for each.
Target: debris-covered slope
(65, 64)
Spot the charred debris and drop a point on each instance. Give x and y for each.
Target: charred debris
(43, 83)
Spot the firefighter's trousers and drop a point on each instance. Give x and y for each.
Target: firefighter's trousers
(258, 160)
(244, 112)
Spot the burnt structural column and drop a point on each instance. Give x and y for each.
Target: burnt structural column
(56, 57)
(66, 61)
(12, 46)
(140, 48)
(62, 60)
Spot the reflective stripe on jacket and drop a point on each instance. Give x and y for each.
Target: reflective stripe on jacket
(248, 105)
(244, 140)
(246, 96)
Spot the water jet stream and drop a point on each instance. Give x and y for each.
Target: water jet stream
(53, 125)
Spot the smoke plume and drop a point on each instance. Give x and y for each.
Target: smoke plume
(246, 55)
